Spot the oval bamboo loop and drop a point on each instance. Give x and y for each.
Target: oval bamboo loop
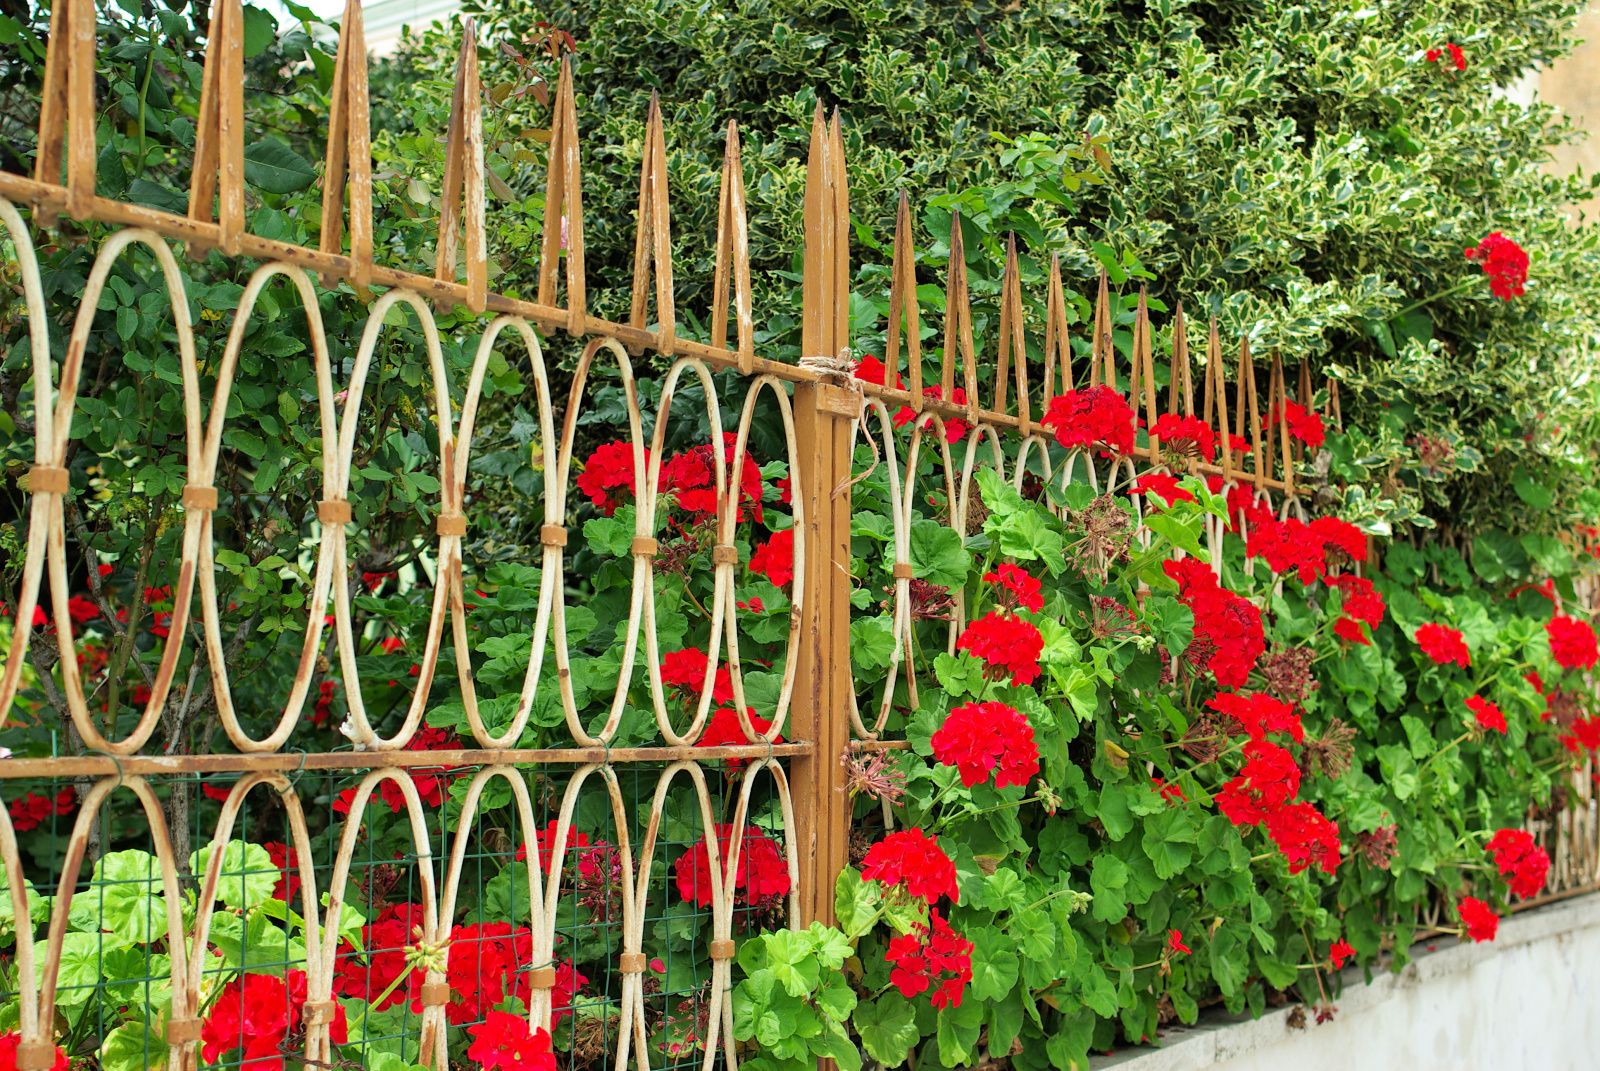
(71, 869)
(357, 726)
(60, 588)
(41, 507)
(727, 511)
(305, 865)
(921, 424)
(642, 529)
(27, 979)
(550, 563)
(884, 448)
(797, 590)
(722, 920)
(311, 644)
(632, 997)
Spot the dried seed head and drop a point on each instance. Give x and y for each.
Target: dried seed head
(1331, 753)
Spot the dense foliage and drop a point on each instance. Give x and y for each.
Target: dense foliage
(1138, 790)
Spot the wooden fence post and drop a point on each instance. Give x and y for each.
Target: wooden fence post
(824, 411)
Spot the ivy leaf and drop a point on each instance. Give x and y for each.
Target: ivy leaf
(272, 166)
(856, 902)
(247, 874)
(937, 555)
(887, 1027)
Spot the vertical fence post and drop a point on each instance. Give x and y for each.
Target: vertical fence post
(823, 414)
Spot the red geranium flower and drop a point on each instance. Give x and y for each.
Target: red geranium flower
(690, 478)
(1458, 58)
(1258, 714)
(763, 874)
(506, 1041)
(1097, 418)
(1304, 424)
(933, 956)
(82, 610)
(1175, 943)
(1340, 951)
(976, 738)
(724, 729)
(774, 559)
(1487, 714)
(1007, 644)
(1361, 600)
(1017, 588)
(254, 1013)
(1444, 645)
(1188, 436)
(1351, 631)
(1159, 483)
(1520, 861)
(1268, 779)
(1481, 922)
(1305, 836)
(608, 471)
(1572, 642)
(685, 671)
(8, 1053)
(1228, 637)
(955, 429)
(911, 858)
(1504, 262)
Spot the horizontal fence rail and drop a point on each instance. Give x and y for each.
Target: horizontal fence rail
(600, 800)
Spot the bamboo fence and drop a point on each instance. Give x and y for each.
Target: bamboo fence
(826, 414)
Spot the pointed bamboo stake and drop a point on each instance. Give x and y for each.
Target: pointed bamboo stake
(1305, 396)
(1103, 363)
(958, 324)
(1274, 417)
(1246, 399)
(1217, 391)
(733, 257)
(219, 130)
(349, 154)
(1057, 346)
(1333, 403)
(463, 179)
(563, 208)
(1143, 380)
(817, 271)
(1013, 339)
(839, 185)
(652, 241)
(1285, 444)
(903, 300)
(1180, 388)
(66, 109)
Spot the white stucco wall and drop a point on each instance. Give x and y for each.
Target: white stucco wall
(1527, 1002)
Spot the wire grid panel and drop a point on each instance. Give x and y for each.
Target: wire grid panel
(187, 948)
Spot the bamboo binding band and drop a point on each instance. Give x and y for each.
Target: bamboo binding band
(451, 524)
(179, 1032)
(198, 496)
(47, 480)
(722, 949)
(553, 535)
(38, 1055)
(318, 1012)
(333, 511)
(435, 994)
(542, 977)
(725, 554)
(903, 571)
(631, 963)
(645, 547)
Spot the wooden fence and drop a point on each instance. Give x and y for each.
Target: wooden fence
(826, 413)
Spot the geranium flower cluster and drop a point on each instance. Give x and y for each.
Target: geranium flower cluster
(33, 810)
(912, 860)
(1443, 645)
(505, 1042)
(983, 738)
(1504, 262)
(1228, 637)
(1305, 425)
(1097, 419)
(871, 370)
(254, 1014)
(688, 479)
(1362, 605)
(761, 880)
(1521, 862)
(1008, 644)
(1572, 642)
(932, 957)
(1307, 550)
(1187, 436)
(431, 783)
